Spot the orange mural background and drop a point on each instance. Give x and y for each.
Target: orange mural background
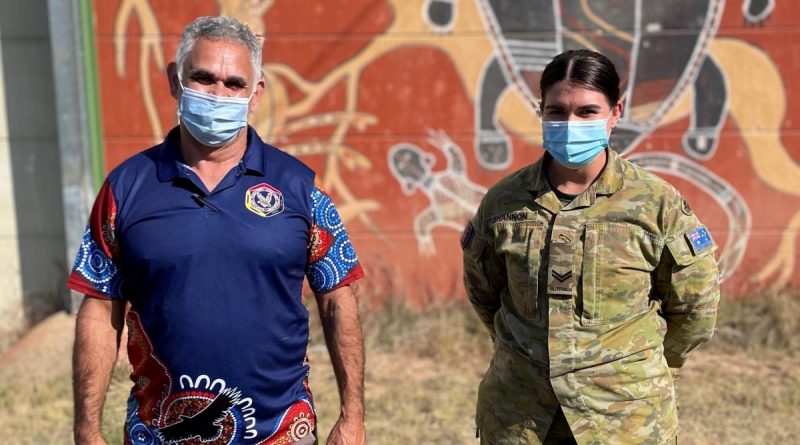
(410, 110)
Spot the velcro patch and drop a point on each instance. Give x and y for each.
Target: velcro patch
(699, 239)
(466, 236)
(561, 279)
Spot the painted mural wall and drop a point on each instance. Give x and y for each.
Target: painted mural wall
(410, 109)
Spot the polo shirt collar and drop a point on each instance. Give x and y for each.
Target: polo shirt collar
(171, 164)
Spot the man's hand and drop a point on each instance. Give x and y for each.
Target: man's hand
(97, 336)
(347, 432)
(338, 311)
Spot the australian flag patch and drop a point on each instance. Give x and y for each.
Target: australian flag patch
(700, 240)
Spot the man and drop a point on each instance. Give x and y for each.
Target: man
(206, 238)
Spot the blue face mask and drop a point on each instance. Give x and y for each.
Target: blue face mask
(574, 144)
(212, 120)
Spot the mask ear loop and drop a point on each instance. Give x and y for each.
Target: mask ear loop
(608, 136)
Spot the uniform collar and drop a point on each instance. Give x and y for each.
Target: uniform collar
(610, 181)
(612, 177)
(171, 165)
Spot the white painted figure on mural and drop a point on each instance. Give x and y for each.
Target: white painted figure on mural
(454, 198)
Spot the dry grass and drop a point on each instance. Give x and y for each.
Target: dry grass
(423, 369)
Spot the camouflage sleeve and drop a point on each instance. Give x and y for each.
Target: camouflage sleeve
(484, 274)
(687, 280)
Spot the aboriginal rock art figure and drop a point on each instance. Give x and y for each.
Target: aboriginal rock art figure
(454, 198)
(659, 49)
(756, 11)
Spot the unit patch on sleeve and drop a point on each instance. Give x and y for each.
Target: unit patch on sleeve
(700, 240)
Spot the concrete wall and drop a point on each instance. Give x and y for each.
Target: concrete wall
(409, 109)
(11, 314)
(32, 254)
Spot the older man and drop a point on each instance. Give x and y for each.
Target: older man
(207, 238)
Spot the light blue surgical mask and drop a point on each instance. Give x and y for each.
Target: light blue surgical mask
(212, 120)
(574, 144)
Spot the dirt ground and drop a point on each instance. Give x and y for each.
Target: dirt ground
(421, 386)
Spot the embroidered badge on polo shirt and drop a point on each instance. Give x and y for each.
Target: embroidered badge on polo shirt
(699, 239)
(264, 200)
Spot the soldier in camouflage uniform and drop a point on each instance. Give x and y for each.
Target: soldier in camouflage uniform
(590, 298)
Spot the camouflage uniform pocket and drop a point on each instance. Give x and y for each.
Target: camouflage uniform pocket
(618, 259)
(519, 243)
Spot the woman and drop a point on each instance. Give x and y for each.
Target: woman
(593, 276)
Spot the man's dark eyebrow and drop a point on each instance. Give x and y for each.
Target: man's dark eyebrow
(200, 73)
(238, 81)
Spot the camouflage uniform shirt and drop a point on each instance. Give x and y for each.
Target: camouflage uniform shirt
(589, 304)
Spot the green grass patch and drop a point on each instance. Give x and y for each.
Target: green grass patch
(423, 370)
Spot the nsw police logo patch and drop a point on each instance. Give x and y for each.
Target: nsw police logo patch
(264, 200)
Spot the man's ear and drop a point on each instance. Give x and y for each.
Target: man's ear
(172, 78)
(260, 85)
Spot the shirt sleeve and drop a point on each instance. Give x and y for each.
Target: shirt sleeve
(484, 274)
(687, 280)
(96, 270)
(332, 260)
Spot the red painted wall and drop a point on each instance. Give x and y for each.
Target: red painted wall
(373, 94)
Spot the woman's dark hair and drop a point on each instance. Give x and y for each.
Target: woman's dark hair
(585, 68)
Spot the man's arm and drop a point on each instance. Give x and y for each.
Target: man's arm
(338, 311)
(97, 337)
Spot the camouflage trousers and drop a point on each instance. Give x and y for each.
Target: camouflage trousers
(516, 403)
(518, 406)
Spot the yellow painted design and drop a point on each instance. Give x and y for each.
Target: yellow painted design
(785, 259)
(516, 114)
(150, 51)
(758, 105)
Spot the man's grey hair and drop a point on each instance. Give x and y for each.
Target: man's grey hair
(219, 28)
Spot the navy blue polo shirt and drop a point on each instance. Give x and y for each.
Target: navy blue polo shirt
(217, 329)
